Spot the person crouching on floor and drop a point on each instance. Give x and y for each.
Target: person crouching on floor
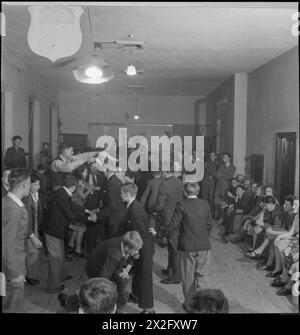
(111, 259)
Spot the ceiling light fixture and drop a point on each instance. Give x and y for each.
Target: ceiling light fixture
(93, 72)
(136, 117)
(131, 70)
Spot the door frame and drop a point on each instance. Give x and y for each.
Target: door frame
(278, 136)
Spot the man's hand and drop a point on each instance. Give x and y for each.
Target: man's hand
(36, 242)
(152, 231)
(124, 274)
(87, 211)
(18, 282)
(92, 217)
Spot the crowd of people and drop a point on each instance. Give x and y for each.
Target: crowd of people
(114, 218)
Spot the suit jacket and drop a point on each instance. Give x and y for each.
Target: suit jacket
(93, 199)
(106, 259)
(243, 203)
(137, 219)
(193, 218)
(149, 197)
(114, 209)
(224, 175)
(170, 192)
(14, 233)
(15, 158)
(62, 211)
(31, 209)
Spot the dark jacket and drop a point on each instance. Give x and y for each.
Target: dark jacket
(31, 209)
(137, 219)
(243, 203)
(62, 211)
(15, 158)
(149, 197)
(193, 218)
(106, 258)
(114, 209)
(170, 192)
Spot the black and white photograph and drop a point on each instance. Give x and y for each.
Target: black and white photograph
(150, 159)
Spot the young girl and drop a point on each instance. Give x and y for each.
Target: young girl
(80, 195)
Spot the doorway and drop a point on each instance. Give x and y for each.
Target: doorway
(285, 164)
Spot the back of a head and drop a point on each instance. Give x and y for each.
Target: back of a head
(209, 301)
(70, 181)
(191, 188)
(64, 145)
(98, 296)
(17, 176)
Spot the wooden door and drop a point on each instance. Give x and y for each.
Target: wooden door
(285, 165)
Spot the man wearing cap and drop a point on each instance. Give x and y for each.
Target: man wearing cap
(61, 212)
(15, 156)
(66, 162)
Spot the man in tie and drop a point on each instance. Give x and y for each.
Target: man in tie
(15, 156)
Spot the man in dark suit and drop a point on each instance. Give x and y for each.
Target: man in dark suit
(170, 192)
(14, 233)
(113, 212)
(33, 242)
(137, 219)
(193, 218)
(62, 211)
(15, 156)
(111, 259)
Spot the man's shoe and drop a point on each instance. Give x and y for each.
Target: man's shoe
(147, 311)
(164, 272)
(278, 283)
(284, 292)
(264, 267)
(167, 281)
(62, 297)
(32, 282)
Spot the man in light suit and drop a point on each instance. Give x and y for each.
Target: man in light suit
(14, 233)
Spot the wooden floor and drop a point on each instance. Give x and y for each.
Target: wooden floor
(247, 289)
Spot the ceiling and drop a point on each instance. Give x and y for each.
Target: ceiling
(189, 48)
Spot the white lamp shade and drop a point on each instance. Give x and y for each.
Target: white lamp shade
(131, 70)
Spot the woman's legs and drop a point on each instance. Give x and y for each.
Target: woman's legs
(79, 237)
(262, 247)
(71, 243)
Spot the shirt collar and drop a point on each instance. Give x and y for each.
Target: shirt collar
(15, 199)
(63, 158)
(35, 196)
(227, 164)
(192, 197)
(67, 190)
(130, 202)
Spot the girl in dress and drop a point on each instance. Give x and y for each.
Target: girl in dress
(83, 190)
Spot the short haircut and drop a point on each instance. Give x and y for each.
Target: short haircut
(241, 186)
(65, 145)
(269, 199)
(209, 301)
(191, 188)
(130, 174)
(70, 181)
(40, 167)
(17, 176)
(133, 240)
(290, 198)
(34, 177)
(226, 154)
(98, 296)
(17, 137)
(130, 188)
